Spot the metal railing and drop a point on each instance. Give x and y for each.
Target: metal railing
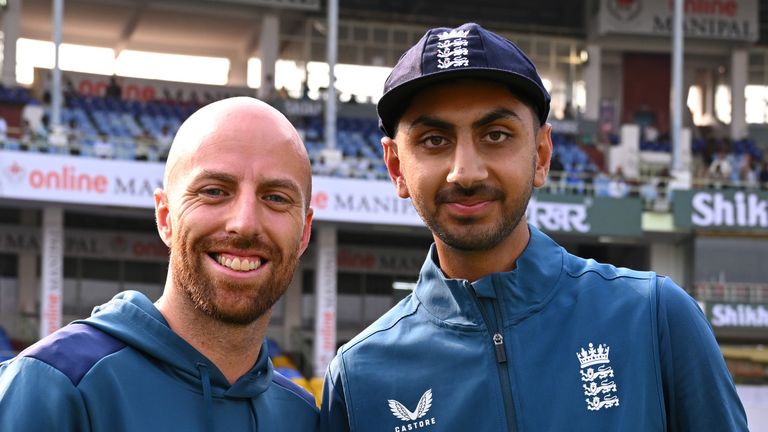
(731, 292)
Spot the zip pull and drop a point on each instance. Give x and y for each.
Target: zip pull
(498, 343)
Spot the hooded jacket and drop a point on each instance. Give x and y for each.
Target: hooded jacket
(560, 343)
(124, 369)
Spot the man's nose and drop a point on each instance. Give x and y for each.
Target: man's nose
(468, 165)
(244, 217)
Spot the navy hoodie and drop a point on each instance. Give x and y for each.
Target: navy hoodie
(124, 369)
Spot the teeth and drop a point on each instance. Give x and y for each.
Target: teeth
(239, 264)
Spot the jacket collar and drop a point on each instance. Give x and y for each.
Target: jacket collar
(520, 292)
(132, 318)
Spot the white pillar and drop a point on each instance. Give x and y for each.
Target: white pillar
(593, 83)
(325, 298)
(26, 279)
(738, 100)
(238, 71)
(292, 315)
(11, 22)
(710, 85)
(51, 271)
(270, 38)
(670, 260)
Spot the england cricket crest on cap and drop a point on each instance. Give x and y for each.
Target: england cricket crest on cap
(597, 377)
(452, 49)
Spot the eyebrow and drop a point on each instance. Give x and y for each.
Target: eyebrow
(498, 113)
(430, 122)
(280, 183)
(215, 175)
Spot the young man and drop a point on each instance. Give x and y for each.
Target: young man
(505, 330)
(234, 212)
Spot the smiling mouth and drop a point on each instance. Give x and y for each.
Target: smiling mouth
(237, 263)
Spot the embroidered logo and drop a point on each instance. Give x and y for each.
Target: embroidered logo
(596, 373)
(412, 417)
(452, 49)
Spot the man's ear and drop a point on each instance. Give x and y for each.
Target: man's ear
(305, 234)
(163, 216)
(543, 154)
(392, 160)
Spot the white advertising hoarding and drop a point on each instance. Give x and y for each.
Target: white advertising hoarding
(82, 180)
(733, 20)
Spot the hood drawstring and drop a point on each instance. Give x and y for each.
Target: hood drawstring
(207, 397)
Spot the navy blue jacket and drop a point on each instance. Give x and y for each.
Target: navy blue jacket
(558, 344)
(124, 369)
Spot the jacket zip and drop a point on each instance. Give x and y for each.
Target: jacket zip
(497, 339)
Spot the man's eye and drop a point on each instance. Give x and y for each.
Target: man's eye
(213, 192)
(434, 141)
(497, 136)
(276, 198)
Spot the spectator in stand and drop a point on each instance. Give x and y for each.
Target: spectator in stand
(618, 187)
(46, 88)
(650, 134)
(343, 168)
(57, 140)
(556, 169)
(708, 153)
(664, 177)
(282, 93)
(74, 137)
(763, 175)
(588, 174)
(574, 181)
(748, 172)
(568, 111)
(163, 142)
(720, 169)
(69, 88)
(40, 135)
(601, 183)
(3, 130)
(145, 145)
(322, 167)
(363, 166)
(114, 90)
(27, 135)
(103, 147)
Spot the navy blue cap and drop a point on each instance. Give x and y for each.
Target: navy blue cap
(468, 51)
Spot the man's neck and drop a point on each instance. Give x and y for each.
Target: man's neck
(232, 348)
(473, 265)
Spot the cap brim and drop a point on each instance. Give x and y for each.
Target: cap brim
(394, 103)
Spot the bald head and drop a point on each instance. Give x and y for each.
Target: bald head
(250, 123)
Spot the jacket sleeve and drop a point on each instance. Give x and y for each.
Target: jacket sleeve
(333, 411)
(36, 397)
(699, 393)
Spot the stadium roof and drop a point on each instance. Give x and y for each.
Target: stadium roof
(232, 28)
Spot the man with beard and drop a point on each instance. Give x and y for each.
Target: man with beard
(234, 211)
(505, 330)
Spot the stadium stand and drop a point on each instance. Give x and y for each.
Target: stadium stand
(126, 128)
(6, 347)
